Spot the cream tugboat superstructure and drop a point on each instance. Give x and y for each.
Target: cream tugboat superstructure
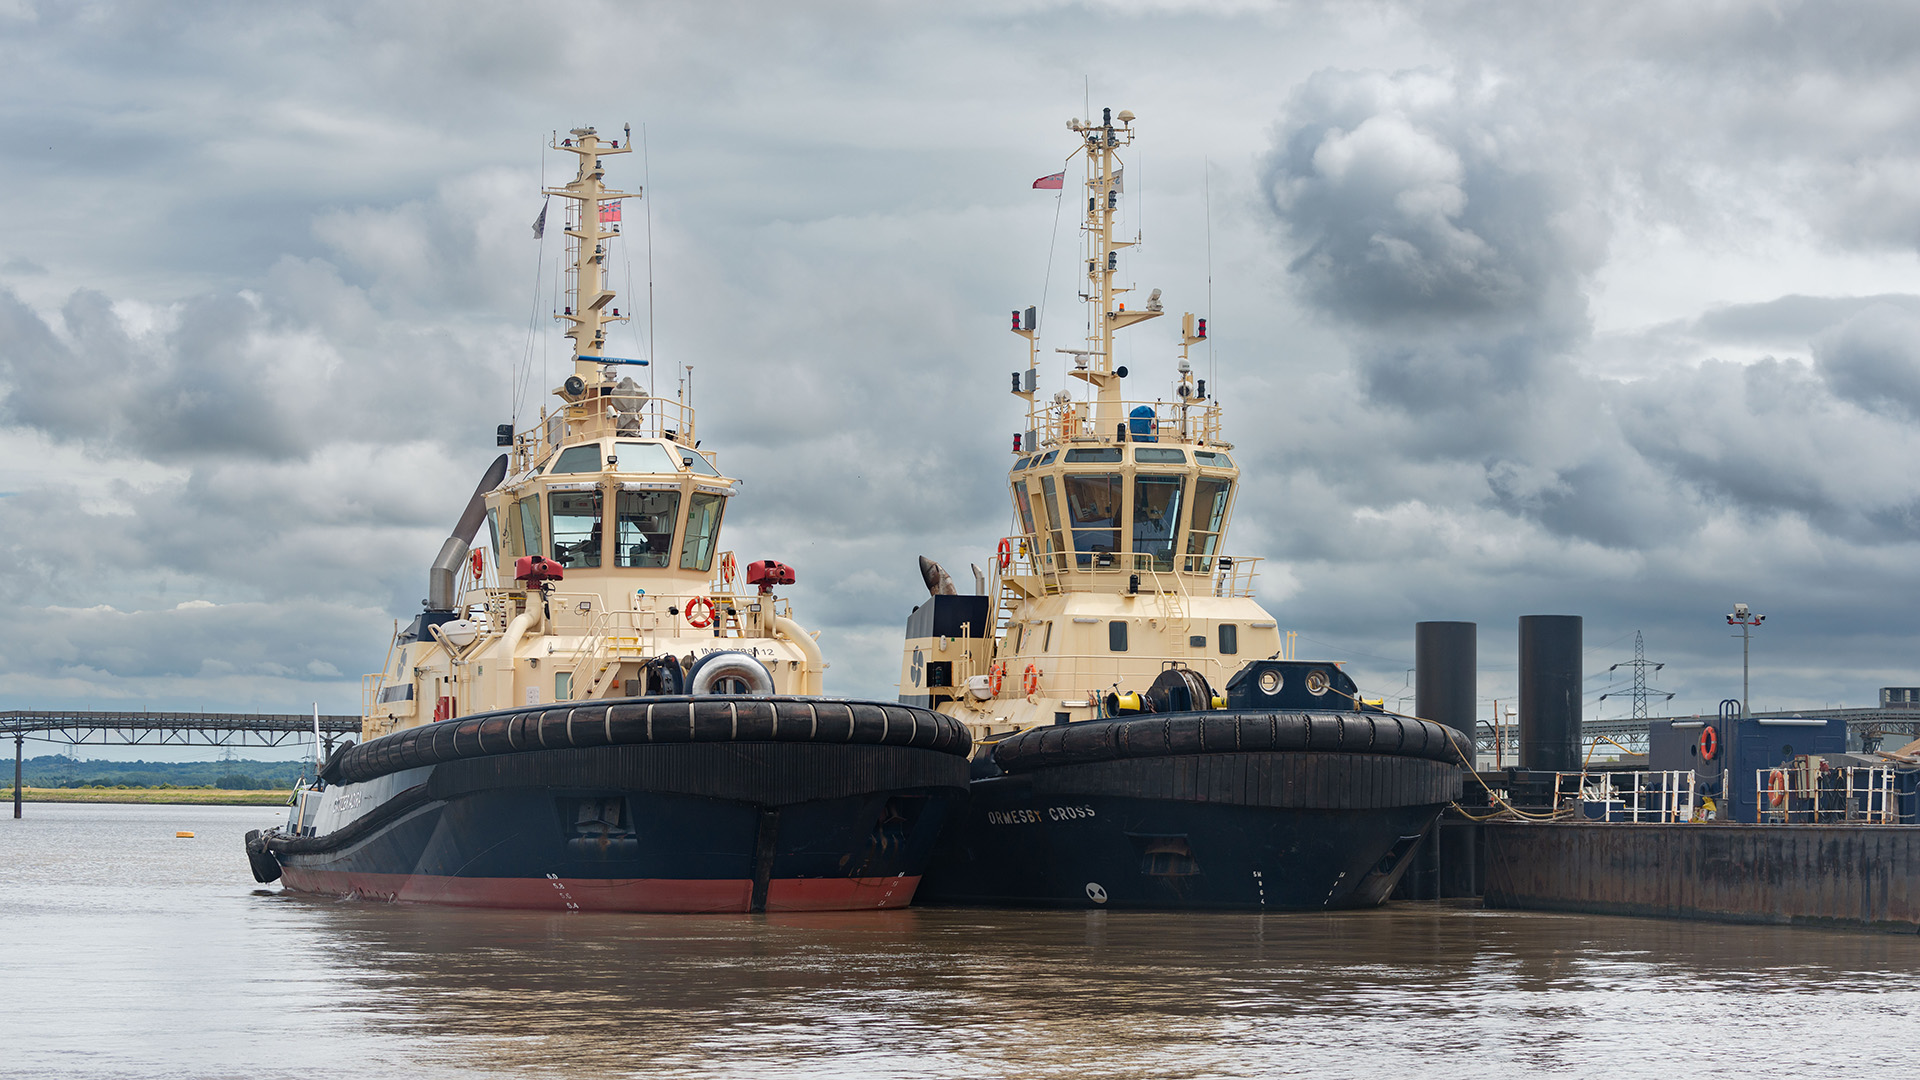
(601, 709)
(1146, 739)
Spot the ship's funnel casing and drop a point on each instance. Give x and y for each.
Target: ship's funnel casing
(938, 632)
(1550, 692)
(445, 572)
(1445, 673)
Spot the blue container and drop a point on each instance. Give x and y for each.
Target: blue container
(1140, 424)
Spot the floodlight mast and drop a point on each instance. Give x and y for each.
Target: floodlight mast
(1746, 620)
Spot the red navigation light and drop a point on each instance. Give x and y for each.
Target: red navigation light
(1016, 321)
(1201, 333)
(1016, 442)
(537, 570)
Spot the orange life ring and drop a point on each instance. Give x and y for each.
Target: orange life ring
(1032, 682)
(996, 678)
(704, 618)
(727, 566)
(479, 559)
(1006, 553)
(1709, 743)
(1777, 788)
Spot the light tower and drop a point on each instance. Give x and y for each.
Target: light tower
(1746, 620)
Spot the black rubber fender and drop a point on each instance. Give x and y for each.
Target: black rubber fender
(679, 719)
(265, 864)
(1230, 731)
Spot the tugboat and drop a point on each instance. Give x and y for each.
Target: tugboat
(1111, 771)
(625, 724)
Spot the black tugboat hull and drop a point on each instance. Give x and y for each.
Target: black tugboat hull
(1227, 809)
(1015, 847)
(800, 817)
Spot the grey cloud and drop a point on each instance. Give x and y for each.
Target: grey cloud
(1873, 357)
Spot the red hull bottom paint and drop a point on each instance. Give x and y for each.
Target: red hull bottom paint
(661, 895)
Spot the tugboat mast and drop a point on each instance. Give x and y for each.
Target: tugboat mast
(587, 240)
(1101, 143)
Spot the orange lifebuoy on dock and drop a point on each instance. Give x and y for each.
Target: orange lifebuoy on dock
(1777, 788)
(1709, 742)
(699, 613)
(1006, 553)
(1031, 684)
(996, 678)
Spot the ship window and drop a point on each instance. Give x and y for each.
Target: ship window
(703, 529)
(1024, 505)
(577, 459)
(1117, 636)
(1054, 521)
(1209, 513)
(697, 462)
(1159, 455)
(1093, 503)
(1048, 460)
(576, 527)
(1208, 457)
(643, 526)
(1102, 454)
(1018, 465)
(1046, 639)
(529, 508)
(493, 530)
(1229, 639)
(644, 457)
(1156, 516)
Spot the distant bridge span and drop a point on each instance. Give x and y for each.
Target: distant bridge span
(166, 729)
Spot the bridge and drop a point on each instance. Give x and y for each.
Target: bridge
(168, 729)
(1870, 726)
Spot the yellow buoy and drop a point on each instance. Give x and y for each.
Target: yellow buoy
(183, 835)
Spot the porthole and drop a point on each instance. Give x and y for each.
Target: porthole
(1317, 683)
(1269, 682)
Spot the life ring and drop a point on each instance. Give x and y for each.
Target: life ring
(1777, 788)
(727, 566)
(1006, 553)
(1031, 684)
(479, 561)
(1709, 743)
(704, 616)
(996, 678)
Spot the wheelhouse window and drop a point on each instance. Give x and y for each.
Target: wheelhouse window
(528, 511)
(645, 457)
(643, 526)
(1024, 505)
(1229, 639)
(1099, 454)
(1209, 513)
(1094, 505)
(1156, 516)
(578, 459)
(697, 462)
(493, 530)
(576, 527)
(703, 530)
(1159, 455)
(1058, 542)
(1213, 459)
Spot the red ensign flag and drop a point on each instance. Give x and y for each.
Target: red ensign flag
(1053, 183)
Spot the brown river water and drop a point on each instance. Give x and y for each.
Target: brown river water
(127, 952)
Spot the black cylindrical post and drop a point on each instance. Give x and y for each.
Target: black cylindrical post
(1550, 679)
(1445, 668)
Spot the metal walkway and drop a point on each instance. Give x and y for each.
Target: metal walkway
(1869, 725)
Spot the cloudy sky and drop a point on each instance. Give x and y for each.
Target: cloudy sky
(1606, 309)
